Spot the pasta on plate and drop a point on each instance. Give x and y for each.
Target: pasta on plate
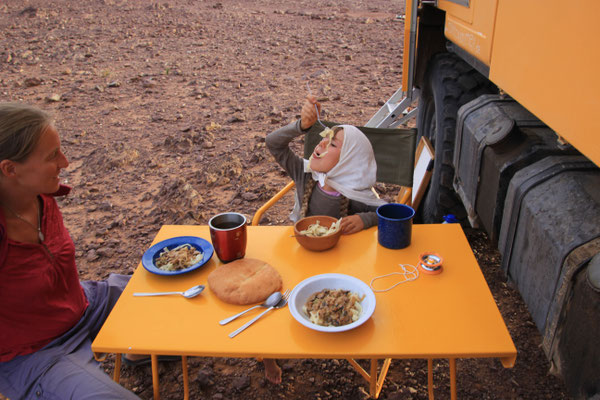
(181, 257)
(333, 307)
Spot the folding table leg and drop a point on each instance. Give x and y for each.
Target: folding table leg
(373, 380)
(382, 375)
(100, 357)
(452, 363)
(375, 383)
(186, 382)
(430, 378)
(117, 372)
(155, 385)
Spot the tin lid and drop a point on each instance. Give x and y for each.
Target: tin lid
(430, 263)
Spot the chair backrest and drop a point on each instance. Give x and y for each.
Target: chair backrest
(394, 151)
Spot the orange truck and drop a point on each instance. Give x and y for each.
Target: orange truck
(508, 93)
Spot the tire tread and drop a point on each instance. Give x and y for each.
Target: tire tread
(454, 83)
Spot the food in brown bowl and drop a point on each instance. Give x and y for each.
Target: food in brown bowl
(318, 232)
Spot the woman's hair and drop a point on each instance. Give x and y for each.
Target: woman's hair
(21, 126)
(308, 189)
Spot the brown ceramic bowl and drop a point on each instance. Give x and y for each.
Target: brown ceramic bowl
(316, 243)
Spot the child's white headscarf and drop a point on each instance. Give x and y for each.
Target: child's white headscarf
(355, 173)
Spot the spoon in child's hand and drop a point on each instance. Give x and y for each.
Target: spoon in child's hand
(316, 108)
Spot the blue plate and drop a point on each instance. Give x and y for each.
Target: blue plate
(153, 252)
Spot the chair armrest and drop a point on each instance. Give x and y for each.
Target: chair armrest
(405, 196)
(272, 200)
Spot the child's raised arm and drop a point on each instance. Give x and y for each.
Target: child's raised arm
(308, 115)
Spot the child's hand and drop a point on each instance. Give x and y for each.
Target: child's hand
(308, 115)
(351, 224)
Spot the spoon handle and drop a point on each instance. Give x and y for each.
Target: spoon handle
(247, 324)
(155, 294)
(228, 320)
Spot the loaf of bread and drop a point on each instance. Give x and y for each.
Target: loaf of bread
(244, 281)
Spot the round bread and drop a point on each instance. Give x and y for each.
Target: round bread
(244, 281)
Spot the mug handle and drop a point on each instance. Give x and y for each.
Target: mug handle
(248, 219)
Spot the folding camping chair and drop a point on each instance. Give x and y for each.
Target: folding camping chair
(397, 162)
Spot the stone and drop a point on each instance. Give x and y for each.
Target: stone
(241, 382)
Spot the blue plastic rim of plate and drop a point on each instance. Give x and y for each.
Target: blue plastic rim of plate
(154, 251)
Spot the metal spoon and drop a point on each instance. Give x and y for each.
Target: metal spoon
(188, 294)
(317, 109)
(272, 300)
(282, 303)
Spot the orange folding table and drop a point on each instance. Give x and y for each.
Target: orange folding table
(449, 315)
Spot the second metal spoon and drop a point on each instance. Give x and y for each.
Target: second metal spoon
(269, 302)
(188, 294)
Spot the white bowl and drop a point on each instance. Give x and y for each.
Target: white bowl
(316, 283)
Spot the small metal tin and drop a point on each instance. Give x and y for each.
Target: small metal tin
(430, 263)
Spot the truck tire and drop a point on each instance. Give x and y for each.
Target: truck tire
(449, 83)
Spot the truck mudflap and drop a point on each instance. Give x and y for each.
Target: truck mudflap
(572, 337)
(550, 230)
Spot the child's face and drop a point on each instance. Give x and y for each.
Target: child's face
(326, 155)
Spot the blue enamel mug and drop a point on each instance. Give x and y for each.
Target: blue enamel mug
(394, 229)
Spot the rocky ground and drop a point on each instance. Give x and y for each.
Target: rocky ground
(163, 107)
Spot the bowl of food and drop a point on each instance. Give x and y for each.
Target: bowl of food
(177, 255)
(318, 232)
(332, 302)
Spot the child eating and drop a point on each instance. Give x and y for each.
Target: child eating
(336, 180)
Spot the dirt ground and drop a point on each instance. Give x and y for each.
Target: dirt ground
(163, 107)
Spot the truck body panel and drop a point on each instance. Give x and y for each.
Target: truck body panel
(545, 56)
(471, 27)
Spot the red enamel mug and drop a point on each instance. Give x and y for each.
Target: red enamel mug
(228, 235)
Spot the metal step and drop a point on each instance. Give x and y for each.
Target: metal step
(394, 111)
